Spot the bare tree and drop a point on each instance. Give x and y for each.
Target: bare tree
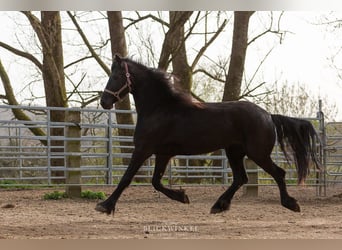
(180, 65)
(171, 41)
(332, 22)
(11, 99)
(118, 45)
(213, 74)
(48, 31)
(296, 100)
(238, 54)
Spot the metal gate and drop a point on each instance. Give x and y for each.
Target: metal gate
(333, 152)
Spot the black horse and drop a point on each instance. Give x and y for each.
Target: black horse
(169, 123)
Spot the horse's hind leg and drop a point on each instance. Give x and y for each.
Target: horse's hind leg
(161, 163)
(279, 176)
(235, 157)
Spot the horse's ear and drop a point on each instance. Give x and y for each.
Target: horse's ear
(118, 58)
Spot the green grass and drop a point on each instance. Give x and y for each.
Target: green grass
(90, 195)
(11, 184)
(7, 182)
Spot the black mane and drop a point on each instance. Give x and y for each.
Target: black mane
(161, 82)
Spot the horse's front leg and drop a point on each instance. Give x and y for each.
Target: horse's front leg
(138, 158)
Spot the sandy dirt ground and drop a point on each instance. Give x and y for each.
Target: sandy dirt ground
(143, 213)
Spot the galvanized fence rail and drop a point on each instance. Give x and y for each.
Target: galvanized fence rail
(333, 152)
(30, 160)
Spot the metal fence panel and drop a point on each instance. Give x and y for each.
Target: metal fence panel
(25, 160)
(333, 152)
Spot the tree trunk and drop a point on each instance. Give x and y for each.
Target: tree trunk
(49, 33)
(181, 68)
(18, 113)
(53, 76)
(232, 86)
(238, 54)
(118, 46)
(53, 63)
(174, 46)
(178, 20)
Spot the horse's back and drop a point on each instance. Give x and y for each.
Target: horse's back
(241, 115)
(211, 126)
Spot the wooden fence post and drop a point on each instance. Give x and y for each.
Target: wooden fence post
(251, 190)
(73, 158)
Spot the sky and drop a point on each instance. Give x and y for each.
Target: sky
(302, 57)
(305, 54)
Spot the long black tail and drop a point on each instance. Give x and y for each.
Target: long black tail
(301, 136)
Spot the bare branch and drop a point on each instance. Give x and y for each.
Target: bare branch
(10, 97)
(22, 54)
(48, 54)
(192, 26)
(142, 18)
(176, 49)
(270, 30)
(75, 90)
(208, 74)
(196, 97)
(248, 92)
(204, 48)
(87, 43)
(94, 99)
(36, 25)
(77, 61)
(260, 64)
(166, 48)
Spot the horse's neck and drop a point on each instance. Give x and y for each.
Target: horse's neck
(147, 98)
(145, 104)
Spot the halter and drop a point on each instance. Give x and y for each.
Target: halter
(127, 85)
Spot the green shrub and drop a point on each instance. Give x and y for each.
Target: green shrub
(55, 195)
(93, 195)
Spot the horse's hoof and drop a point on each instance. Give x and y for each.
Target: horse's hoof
(101, 208)
(215, 210)
(219, 207)
(294, 207)
(186, 199)
(182, 197)
(291, 204)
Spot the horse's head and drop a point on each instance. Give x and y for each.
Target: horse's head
(118, 85)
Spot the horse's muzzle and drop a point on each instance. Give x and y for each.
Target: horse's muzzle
(106, 105)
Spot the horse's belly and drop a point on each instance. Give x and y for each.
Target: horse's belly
(192, 145)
